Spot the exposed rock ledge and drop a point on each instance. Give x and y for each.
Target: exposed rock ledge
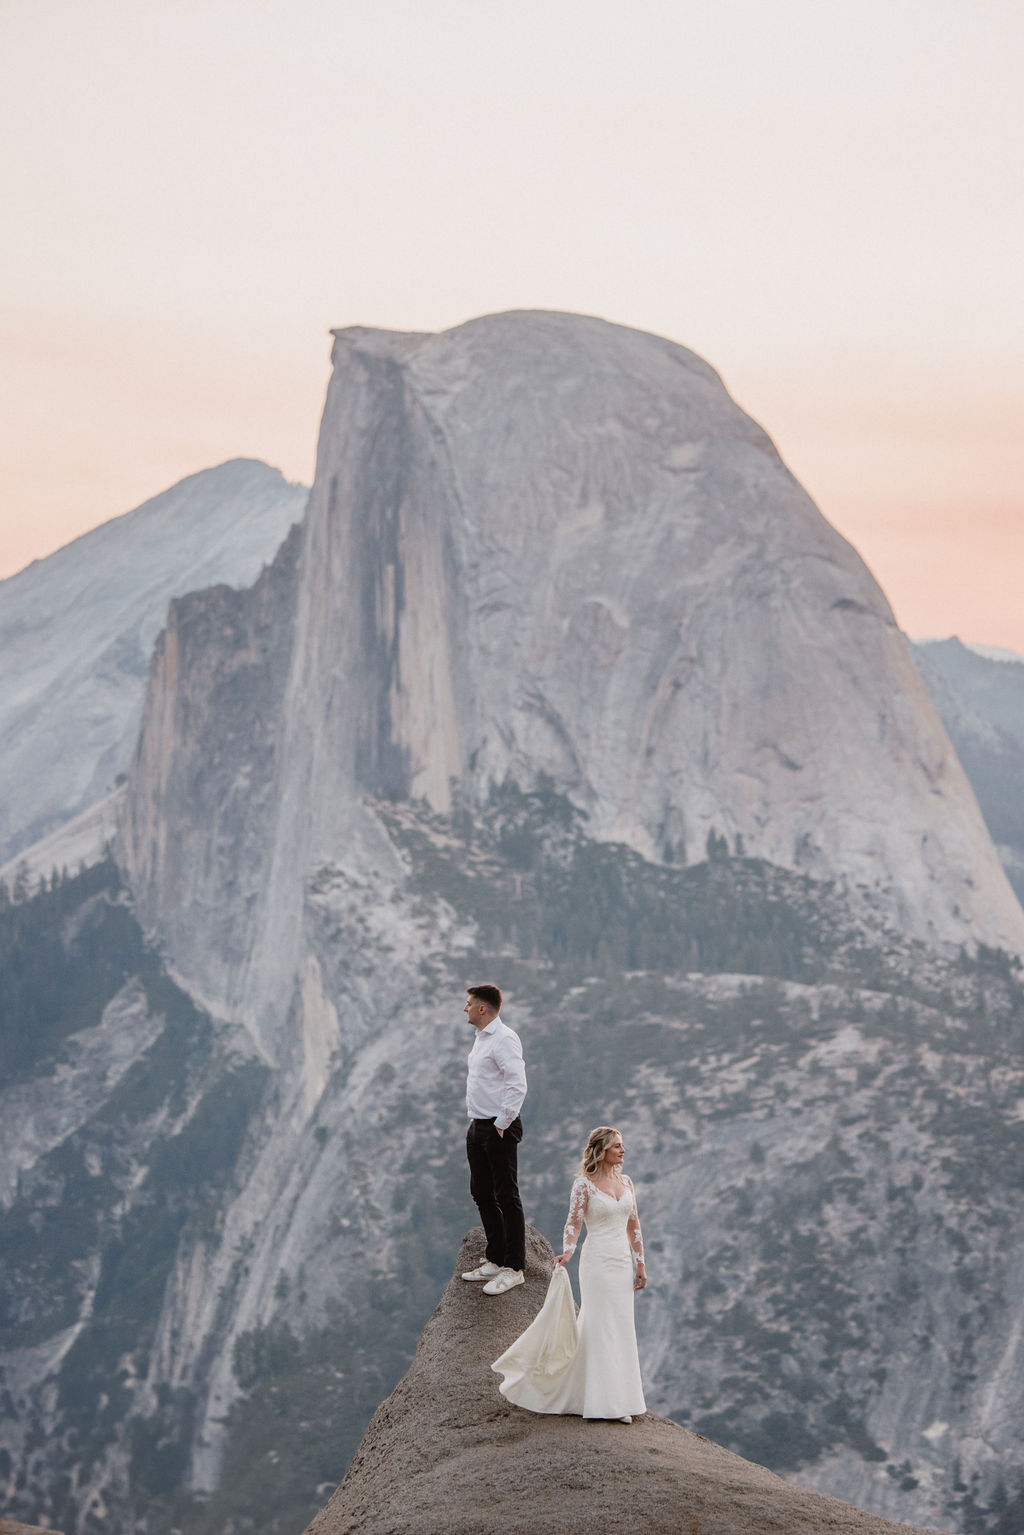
(9, 1527)
(447, 1455)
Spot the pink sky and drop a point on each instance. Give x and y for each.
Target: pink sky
(825, 202)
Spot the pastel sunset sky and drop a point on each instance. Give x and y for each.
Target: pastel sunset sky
(824, 199)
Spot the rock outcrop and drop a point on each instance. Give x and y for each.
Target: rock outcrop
(829, 1170)
(10, 1527)
(980, 701)
(77, 632)
(447, 1455)
(562, 681)
(543, 547)
(544, 553)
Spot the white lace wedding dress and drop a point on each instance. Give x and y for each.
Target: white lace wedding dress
(586, 1365)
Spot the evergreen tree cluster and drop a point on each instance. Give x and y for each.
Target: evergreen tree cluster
(612, 955)
(98, 1224)
(65, 951)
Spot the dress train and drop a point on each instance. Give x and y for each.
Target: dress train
(588, 1364)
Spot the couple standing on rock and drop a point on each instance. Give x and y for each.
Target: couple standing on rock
(561, 1364)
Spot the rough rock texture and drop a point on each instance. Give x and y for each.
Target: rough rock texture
(77, 632)
(512, 573)
(550, 552)
(980, 700)
(828, 1147)
(41, 1114)
(121, 1120)
(218, 684)
(9, 1527)
(446, 1455)
(538, 545)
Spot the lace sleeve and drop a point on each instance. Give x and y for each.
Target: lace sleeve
(633, 1232)
(574, 1220)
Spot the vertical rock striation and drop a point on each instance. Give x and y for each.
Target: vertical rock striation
(541, 545)
(77, 631)
(540, 550)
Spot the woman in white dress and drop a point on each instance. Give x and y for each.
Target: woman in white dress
(587, 1365)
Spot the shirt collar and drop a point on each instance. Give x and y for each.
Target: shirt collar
(488, 1027)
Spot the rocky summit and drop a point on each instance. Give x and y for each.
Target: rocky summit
(561, 682)
(541, 547)
(447, 1455)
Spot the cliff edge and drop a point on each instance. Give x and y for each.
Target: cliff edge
(445, 1454)
(11, 1527)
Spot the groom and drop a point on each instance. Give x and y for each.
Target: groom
(495, 1089)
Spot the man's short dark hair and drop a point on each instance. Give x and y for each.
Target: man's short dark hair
(489, 994)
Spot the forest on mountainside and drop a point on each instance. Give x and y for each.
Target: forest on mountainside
(707, 1007)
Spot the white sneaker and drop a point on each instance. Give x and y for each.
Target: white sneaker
(485, 1270)
(505, 1279)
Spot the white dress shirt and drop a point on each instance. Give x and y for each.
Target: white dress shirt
(496, 1079)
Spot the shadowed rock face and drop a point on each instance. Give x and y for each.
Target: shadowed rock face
(447, 1455)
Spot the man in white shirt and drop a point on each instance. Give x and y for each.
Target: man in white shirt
(495, 1089)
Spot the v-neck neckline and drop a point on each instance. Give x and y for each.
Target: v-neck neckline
(615, 1199)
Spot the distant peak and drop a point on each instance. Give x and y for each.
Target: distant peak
(972, 647)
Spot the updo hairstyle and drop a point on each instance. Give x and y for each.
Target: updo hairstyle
(598, 1142)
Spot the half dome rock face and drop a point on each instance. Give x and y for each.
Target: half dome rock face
(446, 1455)
(541, 546)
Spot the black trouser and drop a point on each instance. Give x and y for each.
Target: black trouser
(493, 1184)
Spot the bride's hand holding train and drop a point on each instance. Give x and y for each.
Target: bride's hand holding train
(587, 1363)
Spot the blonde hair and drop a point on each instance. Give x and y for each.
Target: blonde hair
(598, 1142)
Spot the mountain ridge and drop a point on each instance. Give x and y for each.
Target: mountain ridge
(980, 701)
(538, 546)
(77, 631)
(542, 553)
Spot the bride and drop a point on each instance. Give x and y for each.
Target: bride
(587, 1365)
